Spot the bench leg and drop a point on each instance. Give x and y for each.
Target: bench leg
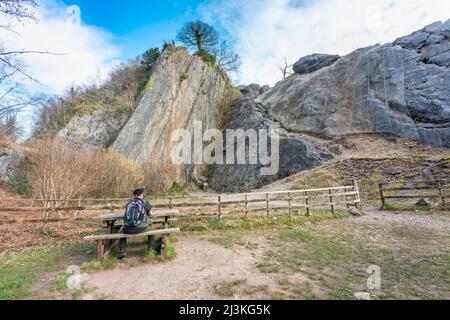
(100, 250)
(164, 246)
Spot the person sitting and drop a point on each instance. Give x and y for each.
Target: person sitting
(136, 221)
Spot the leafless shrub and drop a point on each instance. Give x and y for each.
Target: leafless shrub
(63, 171)
(158, 179)
(118, 176)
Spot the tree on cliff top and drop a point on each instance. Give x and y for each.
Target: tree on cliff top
(205, 41)
(198, 35)
(150, 56)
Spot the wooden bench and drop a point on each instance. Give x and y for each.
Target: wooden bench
(104, 247)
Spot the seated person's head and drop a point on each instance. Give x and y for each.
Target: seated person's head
(139, 193)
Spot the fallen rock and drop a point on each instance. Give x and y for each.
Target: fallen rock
(423, 203)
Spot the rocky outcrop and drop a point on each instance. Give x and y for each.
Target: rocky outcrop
(183, 89)
(94, 131)
(296, 153)
(400, 89)
(10, 160)
(314, 62)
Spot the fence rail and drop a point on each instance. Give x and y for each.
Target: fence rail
(218, 206)
(437, 189)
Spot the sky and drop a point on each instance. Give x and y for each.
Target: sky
(95, 39)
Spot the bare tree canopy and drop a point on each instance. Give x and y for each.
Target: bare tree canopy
(198, 35)
(13, 95)
(18, 9)
(226, 58)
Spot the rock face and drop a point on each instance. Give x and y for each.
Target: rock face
(183, 89)
(94, 131)
(400, 89)
(296, 153)
(314, 62)
(10, 160)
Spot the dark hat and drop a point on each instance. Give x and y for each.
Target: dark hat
(138, 192)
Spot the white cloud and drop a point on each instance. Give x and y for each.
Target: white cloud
(266, 31)
(88, 52)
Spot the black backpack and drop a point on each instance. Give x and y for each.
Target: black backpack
(135, 213)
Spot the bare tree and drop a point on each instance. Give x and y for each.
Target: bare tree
(286, 69)
(19, 10)
(13, 95)
(226, 58)
(198, 35)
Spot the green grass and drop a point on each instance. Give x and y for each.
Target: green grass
(215, 224)
(336, 263)
(19, 271)
(226, 289)
(60, 283)
(94, 265)
(410, 207)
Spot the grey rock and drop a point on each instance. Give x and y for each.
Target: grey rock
(423, 203)
(400, 89)
(314, 62)
(296, 153)
(94, 131)
(10, 160)
(253, 90)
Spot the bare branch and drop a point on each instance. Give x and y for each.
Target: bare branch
(286, 69)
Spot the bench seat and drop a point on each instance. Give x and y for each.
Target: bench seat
(118, 236)
(105, 242)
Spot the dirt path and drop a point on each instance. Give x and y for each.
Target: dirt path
(200, 265)
(205, 261)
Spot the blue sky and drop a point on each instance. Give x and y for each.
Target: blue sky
(263, 32)
(137, 25)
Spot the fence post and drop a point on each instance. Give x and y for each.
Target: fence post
(246, 206)
(267, 206)
(170, 204)
(307, 204)
(219, 208)
(46, 212)
(290, 205)
(383, 199)
(441, 193)
(330, 192)
(358, 204)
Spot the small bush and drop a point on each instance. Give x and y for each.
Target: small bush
(226, 104)
(183, 77)
(207, 57)
(19, 182)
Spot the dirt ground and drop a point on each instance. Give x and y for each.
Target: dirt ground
(327, 260)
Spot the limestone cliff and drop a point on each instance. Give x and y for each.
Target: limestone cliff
(182, 89)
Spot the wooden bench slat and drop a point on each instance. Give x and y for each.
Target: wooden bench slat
(122, 236)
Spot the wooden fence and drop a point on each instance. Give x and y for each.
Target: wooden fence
(409, 190)
(244, 205)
